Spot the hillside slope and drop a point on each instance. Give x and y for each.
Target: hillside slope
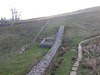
(13, 37)
(78, 26)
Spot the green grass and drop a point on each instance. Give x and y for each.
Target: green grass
(22, 63)
(13, 37)
(66, 66)
(77, 27)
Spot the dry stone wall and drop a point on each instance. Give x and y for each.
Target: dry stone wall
(43, 66)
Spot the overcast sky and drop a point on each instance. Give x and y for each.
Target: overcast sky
(41, 8)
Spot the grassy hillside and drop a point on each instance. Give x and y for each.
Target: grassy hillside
(78, 25)
(13, 37)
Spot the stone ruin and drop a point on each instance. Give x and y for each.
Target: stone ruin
(43, 67)
(47, 42)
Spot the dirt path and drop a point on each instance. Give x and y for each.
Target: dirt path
(76, 64)
(40, 32)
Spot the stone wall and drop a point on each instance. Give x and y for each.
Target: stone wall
(43, 66)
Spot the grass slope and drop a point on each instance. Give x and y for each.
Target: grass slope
(13, 37)
(77, 26)
(21, 64)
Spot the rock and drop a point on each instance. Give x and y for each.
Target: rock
(76, 64)
(73, 73)
(79, 59)
(74, 68)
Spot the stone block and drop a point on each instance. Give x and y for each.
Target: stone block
(76, 64)
(74, 68)
(73, 73)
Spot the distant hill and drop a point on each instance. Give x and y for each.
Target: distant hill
(83, 22)
(87, 10)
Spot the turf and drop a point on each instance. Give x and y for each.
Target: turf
(22, 63)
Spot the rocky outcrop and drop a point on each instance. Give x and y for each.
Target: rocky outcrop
(43, 66)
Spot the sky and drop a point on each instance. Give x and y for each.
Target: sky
(42, 8)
